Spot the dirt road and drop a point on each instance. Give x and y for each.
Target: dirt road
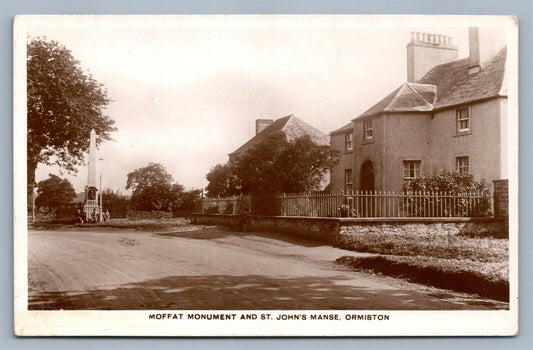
(210, 268)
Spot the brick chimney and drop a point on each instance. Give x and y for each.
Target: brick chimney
(261, 124)
(484, 43)
(425, 51)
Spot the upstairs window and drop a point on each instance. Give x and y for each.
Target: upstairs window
(462, 165)
(368, 131)
(411, 169)
(348, 182)
(348, 138)
(463, 119)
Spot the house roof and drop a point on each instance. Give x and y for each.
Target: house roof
(345, 128)
(292, 127)
(446, 85)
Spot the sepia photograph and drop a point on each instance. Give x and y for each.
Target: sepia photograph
(266, 175)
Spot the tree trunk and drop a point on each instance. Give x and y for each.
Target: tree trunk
(32, 166)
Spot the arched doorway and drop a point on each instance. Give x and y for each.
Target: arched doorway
(367, 176)
(366, 185)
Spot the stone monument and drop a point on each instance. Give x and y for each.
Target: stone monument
(92, 206)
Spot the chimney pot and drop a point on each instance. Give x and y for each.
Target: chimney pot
(426, 51)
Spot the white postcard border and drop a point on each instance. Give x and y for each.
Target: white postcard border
(138, 323)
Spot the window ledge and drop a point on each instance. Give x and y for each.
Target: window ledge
(463, 133)
(348, 152)
(366, 142)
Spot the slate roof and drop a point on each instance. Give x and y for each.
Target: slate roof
(446, 85)
(345, 128)
(413, 97)
(292, 127)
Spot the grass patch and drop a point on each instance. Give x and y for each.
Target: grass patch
(487, 280)
(478, 265)
(481, 249)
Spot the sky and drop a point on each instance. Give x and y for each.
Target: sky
(187, 90)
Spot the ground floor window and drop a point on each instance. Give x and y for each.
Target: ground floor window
(411, 169)
(462, 165)
(348, 182)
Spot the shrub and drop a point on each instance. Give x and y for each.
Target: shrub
(451, 182)
(420, 202)
(347, 211)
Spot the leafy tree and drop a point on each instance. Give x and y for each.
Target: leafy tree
(275, 165)
(54, 192)
(303, 164)
(116, 202)
(63, 105)
(222, 181)
(175, 197)
(153, 189)
(149, 176)
(188, 201)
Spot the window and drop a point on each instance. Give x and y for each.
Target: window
(462, 165)
(411, 169)
(348, 137)
(348, 184)
(368, 132)
(463, 119)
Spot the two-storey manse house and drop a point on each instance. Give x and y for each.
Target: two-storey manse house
(450, 114)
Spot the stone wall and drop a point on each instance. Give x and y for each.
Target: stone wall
(322, 229)
(337, 231)
(234, 221)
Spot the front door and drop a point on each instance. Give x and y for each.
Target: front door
(367, 176)
(367, 188)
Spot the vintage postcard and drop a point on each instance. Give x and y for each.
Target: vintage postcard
(266, 175)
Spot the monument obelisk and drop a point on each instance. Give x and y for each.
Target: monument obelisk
(92, 207)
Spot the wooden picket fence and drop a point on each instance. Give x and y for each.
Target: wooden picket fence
(363, 204)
